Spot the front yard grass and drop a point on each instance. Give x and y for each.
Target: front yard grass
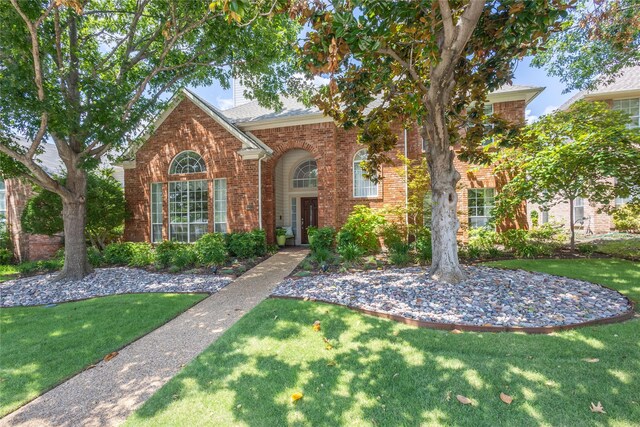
(380, 372)
(41, 347)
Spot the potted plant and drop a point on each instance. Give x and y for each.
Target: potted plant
(281, 236)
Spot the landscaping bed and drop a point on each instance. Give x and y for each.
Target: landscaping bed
(489, 297)
(44, 289)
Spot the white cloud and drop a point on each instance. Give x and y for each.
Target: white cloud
(528, 117)
(224, 103)
(316, 81)
(550, 109)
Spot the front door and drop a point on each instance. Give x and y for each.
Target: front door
(309, 207)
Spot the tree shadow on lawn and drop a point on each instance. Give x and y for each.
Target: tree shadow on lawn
(383, 373)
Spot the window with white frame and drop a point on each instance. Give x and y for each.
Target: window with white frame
(3, 199)
(306, 175)
(156, 212)
(188, 210)
(187, 162)
(220, 205)
(481, 201)
(544, 216)
(632, 108)
(362, 186)
(578, 210)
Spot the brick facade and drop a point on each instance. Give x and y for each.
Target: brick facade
(188, 127)
(26, 247)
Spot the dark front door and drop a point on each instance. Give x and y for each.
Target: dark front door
(309, 216)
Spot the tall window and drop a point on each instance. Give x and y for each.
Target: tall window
(156, 212)
(481, 201)
(630, 107)
(220, 205)
(578, 209)
(306, 175)
(362, 186)
(544, 216)
(294, 215)
(188, 210)
(3, 200)
(187, 162)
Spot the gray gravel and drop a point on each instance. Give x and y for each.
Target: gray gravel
(39, 290)
(489, 296)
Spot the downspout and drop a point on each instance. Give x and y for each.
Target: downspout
(406, 184)
(260, 190)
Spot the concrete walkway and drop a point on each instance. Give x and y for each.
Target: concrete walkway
(107, 394)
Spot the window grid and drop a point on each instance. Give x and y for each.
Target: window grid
(306, 175)
(578, 210)
(187, 162)
(188, 210)
(362, 186)
(156, 212)
(481, 202)
(220, 205)
(630, 107)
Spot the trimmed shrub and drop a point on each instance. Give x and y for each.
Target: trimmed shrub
(94, 256)
(482, 239)
(321, 238)
(394, 237)
(211, 249)
(321, 255)
(399, 255)
(134, 254)
(364, 225)
(627, 217)
(587, 248)
(422, 245)
(175, 255)
(247, 244)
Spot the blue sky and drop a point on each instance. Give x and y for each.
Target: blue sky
(551, 98)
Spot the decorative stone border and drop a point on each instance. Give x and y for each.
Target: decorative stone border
(477, 328)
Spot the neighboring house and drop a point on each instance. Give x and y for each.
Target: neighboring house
(622, 95)
(14, 194)
(201, 170)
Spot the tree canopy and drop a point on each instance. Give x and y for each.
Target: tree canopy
(599, 39)
(587, 151)
(105, 210)
(430, 63)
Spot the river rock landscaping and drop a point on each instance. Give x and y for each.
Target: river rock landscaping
(43, 289)
(489, 297)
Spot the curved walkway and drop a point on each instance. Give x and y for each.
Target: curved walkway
(108, 393)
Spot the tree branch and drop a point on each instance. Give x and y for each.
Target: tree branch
(407, 66)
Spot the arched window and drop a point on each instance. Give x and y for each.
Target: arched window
(306, 175)
(362, 186)
(187, 162)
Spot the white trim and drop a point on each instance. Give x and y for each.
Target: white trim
(302, 119)
(526, 95)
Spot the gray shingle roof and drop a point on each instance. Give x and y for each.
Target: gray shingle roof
(629, 80)
(254, 112)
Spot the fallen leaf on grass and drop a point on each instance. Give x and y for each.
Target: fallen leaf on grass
(327, 343)
(331, 363)
(592, 360)
(110, 356)
(464, 400)
(597, 408)
(316, 326)
(456, 331)
(506, 398)
(296, 396)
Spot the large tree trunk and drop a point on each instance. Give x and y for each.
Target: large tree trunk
(74, 215)
(445, 266)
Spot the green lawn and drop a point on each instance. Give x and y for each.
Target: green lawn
(628, 247)
(40, 347)
(8, 272)
(381, 372)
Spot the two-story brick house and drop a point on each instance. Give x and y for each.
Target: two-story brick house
(622, 95)
(201, 170)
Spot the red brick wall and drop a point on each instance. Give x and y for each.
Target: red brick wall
(190, 128)
(26, 247)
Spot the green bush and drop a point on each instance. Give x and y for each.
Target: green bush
(422, 245)
(350, 252)
(175, 255)
(627, 217)
(134, 254)
(587, 248)
(94, 256)
(6, 256)
(394, 236)
(38, 266)
(211, 249)
(519, 242)
(482, 239)
(247, 244)
(363, 226)
(399, 255)
(321, 255)
(321, 238)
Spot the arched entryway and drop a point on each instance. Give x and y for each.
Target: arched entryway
(296, 194)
